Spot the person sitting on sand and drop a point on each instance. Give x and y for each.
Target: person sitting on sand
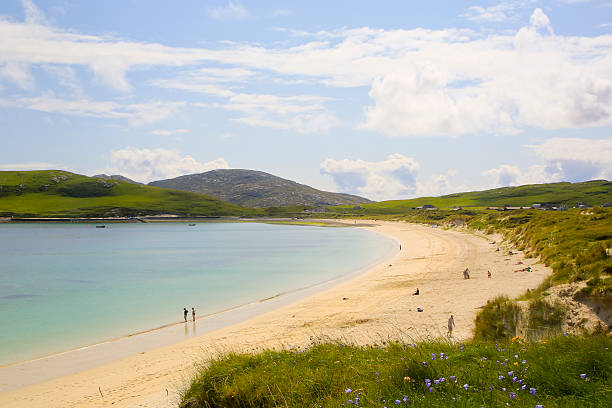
(193, 313)
(416, 293)
(451, 326)
(185, 313)
(489, 274)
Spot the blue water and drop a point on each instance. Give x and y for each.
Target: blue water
(64, 286)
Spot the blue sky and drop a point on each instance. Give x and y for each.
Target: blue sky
(392, 99)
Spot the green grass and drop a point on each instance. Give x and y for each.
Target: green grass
(594, 192)
(396, 374)
(55, 193)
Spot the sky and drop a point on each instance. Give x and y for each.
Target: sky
(387, 99)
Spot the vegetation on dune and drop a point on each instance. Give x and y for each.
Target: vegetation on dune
(54, 193)
(563, 371)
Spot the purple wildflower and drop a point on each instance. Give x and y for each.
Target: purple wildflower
(501, 377)
(532, 391)
(510, 373)
(452, 378)
(397, 402)
(583, 376)
(512, 395)
(466, 386)
(348, 391)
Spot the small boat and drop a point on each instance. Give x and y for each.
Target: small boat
(192, 225)
(100, 226)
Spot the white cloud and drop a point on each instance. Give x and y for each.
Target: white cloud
(423, 82)
(391, 178)
(136, 113)
(32, 13)
(231, 11)
(166, 132)
(496, 13)
(563, 159)
(28, 166)
(18, 74)
(146, 165)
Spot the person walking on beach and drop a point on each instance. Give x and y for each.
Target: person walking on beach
(185, 313)
(451, 326)
(193, 313)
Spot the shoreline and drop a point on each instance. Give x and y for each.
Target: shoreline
(73, 360)
(375, 305)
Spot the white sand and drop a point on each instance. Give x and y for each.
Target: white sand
(379, 306)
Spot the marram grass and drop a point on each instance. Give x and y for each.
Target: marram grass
(564, 371)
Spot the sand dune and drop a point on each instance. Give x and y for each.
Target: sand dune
(375, 306)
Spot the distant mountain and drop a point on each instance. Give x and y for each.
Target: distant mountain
(116, 177)
(250, 188)
(56, 193)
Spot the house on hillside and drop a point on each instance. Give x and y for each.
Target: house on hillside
(607, 205)
(535, 206)
(429, 207)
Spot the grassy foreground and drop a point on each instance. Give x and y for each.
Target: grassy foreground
(560, 372)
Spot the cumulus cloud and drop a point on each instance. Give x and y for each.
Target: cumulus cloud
(391, 178)
(231, 11)
(563, 159)
(146, 165)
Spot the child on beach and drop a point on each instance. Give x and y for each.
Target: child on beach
(193, 313)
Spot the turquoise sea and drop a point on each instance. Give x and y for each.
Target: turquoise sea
(64, 286)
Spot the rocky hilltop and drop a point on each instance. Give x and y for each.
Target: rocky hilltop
(252, 188)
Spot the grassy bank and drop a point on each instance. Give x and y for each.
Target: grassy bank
(561, 372)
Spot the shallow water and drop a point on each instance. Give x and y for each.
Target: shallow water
(64, 286)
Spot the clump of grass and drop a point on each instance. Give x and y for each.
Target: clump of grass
(497, 320)
(563, 371)
(598, 287)
(545, 317)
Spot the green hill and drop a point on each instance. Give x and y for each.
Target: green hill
(257, 189)
(56, 193)
(596, 192)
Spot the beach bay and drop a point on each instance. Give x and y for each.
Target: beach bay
(374, 306)
(66, 286)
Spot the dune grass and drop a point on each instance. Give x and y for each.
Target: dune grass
(561, 372)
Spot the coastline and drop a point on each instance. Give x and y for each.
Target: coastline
(373, 306)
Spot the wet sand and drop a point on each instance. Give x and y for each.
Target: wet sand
(375, 306)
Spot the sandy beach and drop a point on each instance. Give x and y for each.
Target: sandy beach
(375, 306)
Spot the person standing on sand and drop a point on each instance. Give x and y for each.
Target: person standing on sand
(193, 313)
(451, 326)
(185, 313)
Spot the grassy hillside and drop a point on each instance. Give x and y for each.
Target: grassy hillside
(562, 372)
(594, 192)
(56, 193)
(257, 189)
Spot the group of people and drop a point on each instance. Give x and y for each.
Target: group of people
(186, 312)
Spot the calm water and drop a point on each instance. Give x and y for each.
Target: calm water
(67, 285)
